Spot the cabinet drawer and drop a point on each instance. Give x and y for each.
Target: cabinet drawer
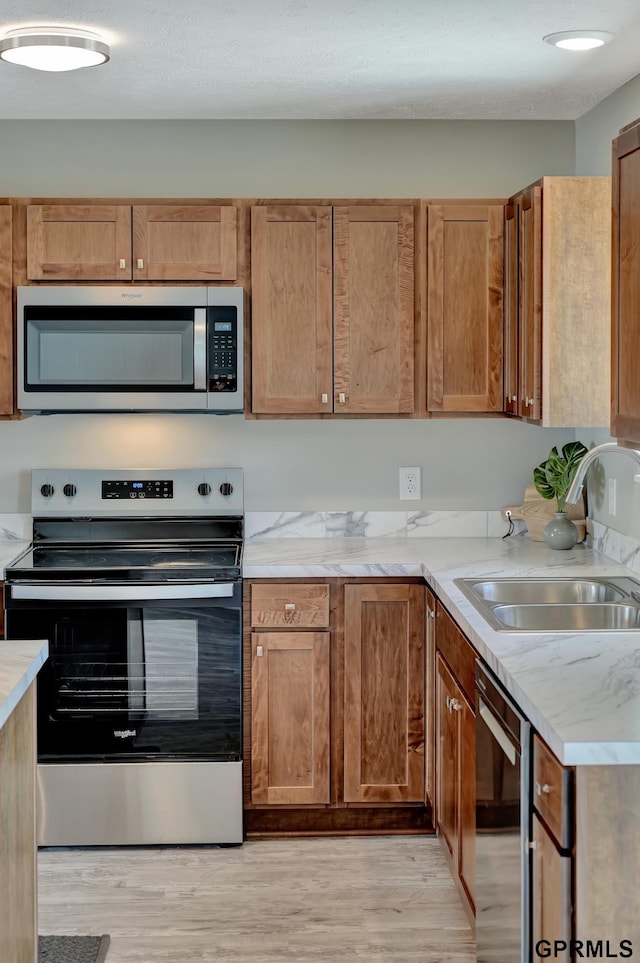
(302, 606)
(552, 792)
(457, 651)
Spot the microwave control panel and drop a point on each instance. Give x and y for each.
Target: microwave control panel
(223, 349)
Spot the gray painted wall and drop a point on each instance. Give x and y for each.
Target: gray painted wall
(293, 465)
(594, 132)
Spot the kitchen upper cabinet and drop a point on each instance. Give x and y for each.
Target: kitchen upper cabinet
(455, 741)
(557, 302)
(120, 242)
(332, 309)
(6, 312)
(384, 693)
(625, 394)
(465, 259)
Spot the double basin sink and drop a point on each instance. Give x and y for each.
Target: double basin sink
(539, 605)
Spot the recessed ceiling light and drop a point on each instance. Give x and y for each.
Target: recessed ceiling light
(53, 48)
(579, 39)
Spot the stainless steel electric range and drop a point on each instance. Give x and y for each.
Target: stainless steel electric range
(134, 577)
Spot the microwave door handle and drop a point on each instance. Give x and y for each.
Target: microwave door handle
(200, 349)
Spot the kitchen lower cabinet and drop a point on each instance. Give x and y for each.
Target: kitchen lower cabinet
(100, 241)
(551, 872)
(384, 693)
(332, 309)
(335, 707)
(455, 763)
(290, 717)
(6, 311)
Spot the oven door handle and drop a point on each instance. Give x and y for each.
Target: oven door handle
(118, 593)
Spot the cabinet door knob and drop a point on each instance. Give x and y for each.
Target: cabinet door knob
(514, 398)
(123, 263)
(546, 788)
(289, 606)
(325, 398)
(140, 263)
(259, 650)
(456, 705)
(341, 398)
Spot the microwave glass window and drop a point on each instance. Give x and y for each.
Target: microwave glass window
(111, 352)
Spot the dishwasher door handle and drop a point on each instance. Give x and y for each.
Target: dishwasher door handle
(498, 733)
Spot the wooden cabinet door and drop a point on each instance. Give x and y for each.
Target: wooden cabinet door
(291, 310)
(447, 763)
(530, 304)
(384, 693)
(465, 307)
(6, 313)
(625, 405)
(79, 242)
(184, 243)
(290, 721)
(373, 309)
(511, 271)
(551, 890)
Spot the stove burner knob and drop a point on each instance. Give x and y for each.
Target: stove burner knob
(226, 488)
(47, 490)
(204, 488)
(69, 490)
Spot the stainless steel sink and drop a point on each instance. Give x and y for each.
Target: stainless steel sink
(546, 590)
(579, 617)
(539, 605)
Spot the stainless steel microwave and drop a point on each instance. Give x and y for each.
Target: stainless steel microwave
(136, 348)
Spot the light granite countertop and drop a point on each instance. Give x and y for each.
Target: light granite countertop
(20, 663)
(580, 691)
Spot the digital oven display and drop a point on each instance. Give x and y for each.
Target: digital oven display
(137, 489)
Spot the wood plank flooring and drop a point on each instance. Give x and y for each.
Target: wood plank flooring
(384, 898)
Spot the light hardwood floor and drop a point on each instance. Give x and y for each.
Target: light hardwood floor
(385, 898)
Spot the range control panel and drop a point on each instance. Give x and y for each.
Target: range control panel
(87, 492)
(142, 488)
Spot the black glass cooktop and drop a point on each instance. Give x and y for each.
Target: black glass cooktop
(157, 563)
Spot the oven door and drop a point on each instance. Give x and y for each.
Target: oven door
(135, 671)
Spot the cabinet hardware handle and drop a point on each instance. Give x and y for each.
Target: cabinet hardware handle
(289, 606)
(431, 614)
(259, 650)
(123, 263)
(140, 263)
(514, 398)
(528, 402)
(325, 398)
(448, 703)
(532, 844)
(456, 705)
(341, 398)
(546, 788)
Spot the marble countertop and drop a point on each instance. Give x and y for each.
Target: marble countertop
(19, 665)
(580, 691)
(10, 549)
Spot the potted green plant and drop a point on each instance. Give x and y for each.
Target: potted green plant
(552, 479)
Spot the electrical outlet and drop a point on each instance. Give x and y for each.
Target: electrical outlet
(612, 496)
(410, 483)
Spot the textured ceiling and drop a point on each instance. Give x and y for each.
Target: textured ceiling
(327, 59)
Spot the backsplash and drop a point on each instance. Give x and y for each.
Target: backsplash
(424, 524)
(616, 546)
(16, 527)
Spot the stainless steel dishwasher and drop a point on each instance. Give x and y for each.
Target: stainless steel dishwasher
(503, 891)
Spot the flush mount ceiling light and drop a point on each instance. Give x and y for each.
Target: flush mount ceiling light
(53, 48)
(579, 39)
